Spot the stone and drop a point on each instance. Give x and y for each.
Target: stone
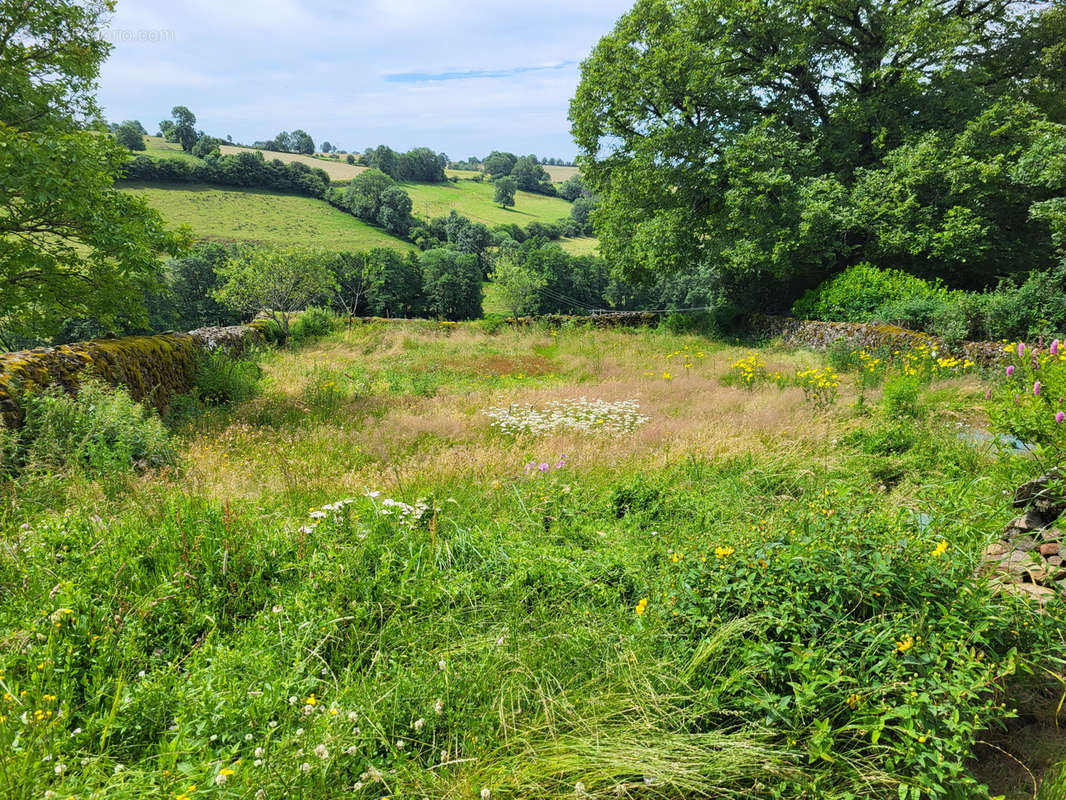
(1049, 549)
(997, 549)
(1029, 521)
(1040, 594)
(1014, 564)
(1055, 561)
(1051, 535)
(1026, 544)
(1044, 494)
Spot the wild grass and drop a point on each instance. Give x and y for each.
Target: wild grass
(709, 606)
(254, 215)
(474, 200)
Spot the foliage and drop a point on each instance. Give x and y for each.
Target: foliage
(275, 282)
(244, 169)
(499, 165)
(775, 153)
(859, 293)
(99, 431)
(312, 323)
(573, 188)
(1027, 398)
(222, 379)
(530, 176)
(183, 130)
(503, 191)
(70, 244)
(452, 284)
(375, 198)
(130, 136)
(420, 164)
(519, 286)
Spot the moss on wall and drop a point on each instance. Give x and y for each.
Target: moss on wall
(153, 368)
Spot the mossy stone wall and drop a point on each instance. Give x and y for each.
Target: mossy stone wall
(152, 368)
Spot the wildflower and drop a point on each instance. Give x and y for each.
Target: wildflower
(419, 723)
(723, 552)
(1010, 370)
(60, 768)
(940, 549)
(485, 794)
(1021, 349)
(311, 701)
(905, 644)
(223, 776)
(1036, 389)
(259, 752)
(1060, 417)
(322, 752)
(438, 707)
(400, 744)
(988, 394)
(642, 606)
(441, 665)
(852, 701)
(305, 767)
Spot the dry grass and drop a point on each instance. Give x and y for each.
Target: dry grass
(389, 440)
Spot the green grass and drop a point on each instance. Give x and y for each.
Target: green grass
(582, 246)
(712, 605)
(474, 200)
(159, 148)
(252, 215)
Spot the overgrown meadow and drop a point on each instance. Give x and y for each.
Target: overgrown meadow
(453, 561)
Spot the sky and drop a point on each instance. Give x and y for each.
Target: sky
(462, 78)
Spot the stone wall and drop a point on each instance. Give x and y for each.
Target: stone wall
(820, 335)
(153, 368)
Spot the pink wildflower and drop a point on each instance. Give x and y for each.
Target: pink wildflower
(1060, 417)
(1010, 370)
(1036, 389)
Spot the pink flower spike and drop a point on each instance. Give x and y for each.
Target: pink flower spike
(1060, 417)
(1010, 370)
(1036, 389)
(543, 467)
(988, 395)
(1021, 349)
(1054, 348)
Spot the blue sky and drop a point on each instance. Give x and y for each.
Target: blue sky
(460, 77)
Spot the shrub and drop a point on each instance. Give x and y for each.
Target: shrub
(861, 292)
(100, 430)
(901, 396)
(222, 379)
(314, 322)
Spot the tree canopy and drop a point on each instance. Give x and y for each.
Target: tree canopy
(71, 245)
(777, 142)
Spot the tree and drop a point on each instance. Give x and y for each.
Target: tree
(746, 141)
(350, 158)
(531, 176)
(71, 245)
(301, 142)
(573, 188)
(505, 191)
(355, 275)
(129, 137)
(275, 282)
(452, 284)
(191, 281)
(519, 288)
(498, 164)
(327, 147)
(184, 130)
(394, 211)
(166, 130)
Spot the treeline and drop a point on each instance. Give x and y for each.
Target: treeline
(245, 170)
(420, 165)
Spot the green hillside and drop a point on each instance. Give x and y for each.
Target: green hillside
(254, 215)
(474, 200)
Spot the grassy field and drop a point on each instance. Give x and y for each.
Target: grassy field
(337, 170)
(583, 246)
(252, 215)
(158, 147)
(560, 174)
(371, 581)
(474, 200)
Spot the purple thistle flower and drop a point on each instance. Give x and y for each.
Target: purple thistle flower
(1036, 389)
(1010, 370)
(1060, 417)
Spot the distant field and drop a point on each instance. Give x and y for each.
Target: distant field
(252, 215)
(560, 174)
(474, 200)
(584, 246)
(158, 147)
(337, 170)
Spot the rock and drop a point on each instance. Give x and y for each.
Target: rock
(1049, 549)
(1051, 535)
(1029, 521)
(1015, 564)
(1040, 594)
(1046, 494)
(997, 549)
(1026, 544)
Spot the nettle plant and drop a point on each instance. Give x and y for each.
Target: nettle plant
(1028, 398)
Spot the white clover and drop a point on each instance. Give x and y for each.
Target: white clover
(322, 752)
(581, 414)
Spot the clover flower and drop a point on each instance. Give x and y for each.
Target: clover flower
(1060, 417)
(1036, 389)
(1010, 370)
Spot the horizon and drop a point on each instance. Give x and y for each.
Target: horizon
(463, 79)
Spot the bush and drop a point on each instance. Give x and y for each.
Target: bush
(100, 430)
(222, 379)
(861, 293)
(901, 396)
(314, 322)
